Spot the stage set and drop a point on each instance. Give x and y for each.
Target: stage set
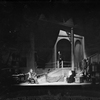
(67, 64)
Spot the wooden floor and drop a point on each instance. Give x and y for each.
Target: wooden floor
(54, 83)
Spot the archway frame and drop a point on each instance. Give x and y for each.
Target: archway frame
(62, 35)
(66, 35)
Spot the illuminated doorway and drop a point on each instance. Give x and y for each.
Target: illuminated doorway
(64, 47)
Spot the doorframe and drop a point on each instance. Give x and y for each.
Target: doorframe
(65, 35)
(62, 35)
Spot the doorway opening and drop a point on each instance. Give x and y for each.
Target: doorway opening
(64, 52)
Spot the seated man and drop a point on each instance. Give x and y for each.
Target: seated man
(32, 76)
(71, 76)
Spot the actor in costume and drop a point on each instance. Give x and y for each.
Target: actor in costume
(32, 77)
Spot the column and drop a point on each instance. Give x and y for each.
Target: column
(72, 49)
(55, 62)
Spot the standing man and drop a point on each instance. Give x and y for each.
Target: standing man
(59, 58)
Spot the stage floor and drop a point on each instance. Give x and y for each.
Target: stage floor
(53, 83)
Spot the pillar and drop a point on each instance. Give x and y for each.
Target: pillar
(72, 49)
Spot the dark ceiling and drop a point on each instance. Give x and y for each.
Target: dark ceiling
(18, 18)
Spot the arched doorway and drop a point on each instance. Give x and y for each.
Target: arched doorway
(64, 47)
(78, 54)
